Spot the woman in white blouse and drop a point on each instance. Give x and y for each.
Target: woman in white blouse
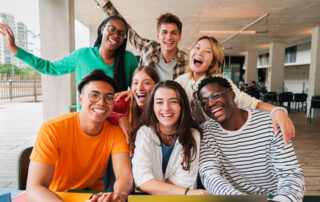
(167, 144)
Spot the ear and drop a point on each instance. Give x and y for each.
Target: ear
(102, 30)
(80, 96)
(233, 95)
(158, 35)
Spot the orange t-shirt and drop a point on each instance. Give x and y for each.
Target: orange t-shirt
(80, 160)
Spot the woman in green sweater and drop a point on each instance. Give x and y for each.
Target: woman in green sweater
(108, 54)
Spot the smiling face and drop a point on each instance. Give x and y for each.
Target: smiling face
(142, 85)
(112, 41)
(167, 109)
(96, 112)
(221, 108)
(168, 36)
(201, 56)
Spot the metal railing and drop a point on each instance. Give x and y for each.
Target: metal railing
(15, 86)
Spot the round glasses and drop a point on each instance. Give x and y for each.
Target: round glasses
(213, 97)
(112, 30)
(107, 98)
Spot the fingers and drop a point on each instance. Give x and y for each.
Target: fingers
(275, 126)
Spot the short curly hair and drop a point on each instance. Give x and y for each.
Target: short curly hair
(169, 18)
(216, 79)
(96, 75)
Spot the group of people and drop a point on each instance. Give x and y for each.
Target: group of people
(179, 120)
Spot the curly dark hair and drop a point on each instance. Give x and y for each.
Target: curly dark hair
(216, 79)
(96, 75)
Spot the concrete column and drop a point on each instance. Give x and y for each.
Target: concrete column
(93, 34)
(251, 66)
(57, 41)
(314, 73)
(276, 70)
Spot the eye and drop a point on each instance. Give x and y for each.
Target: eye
(204, 101)
(94, 95)
(146, 83)
(109, 96)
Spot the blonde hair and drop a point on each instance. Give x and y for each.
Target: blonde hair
(218, 56)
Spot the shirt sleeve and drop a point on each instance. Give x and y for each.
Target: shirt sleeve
(135, 39)
(288, 171)
(242, 99)
(46, 146)
(63, 66)
(209, 169)
(142, 158)
(119, 145)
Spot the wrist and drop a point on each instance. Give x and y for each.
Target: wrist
(186, 191)
(278, 108)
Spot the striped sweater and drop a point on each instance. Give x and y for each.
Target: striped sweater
(250, 160)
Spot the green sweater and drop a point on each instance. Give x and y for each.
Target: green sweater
(81, 61)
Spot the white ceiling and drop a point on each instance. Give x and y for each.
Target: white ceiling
(288, 20)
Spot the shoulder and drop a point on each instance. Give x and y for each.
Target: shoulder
(258, 115)
(129, 54)
(209, 126)
(182, 54)
(183, 79)
(63, 120)
(146, 133)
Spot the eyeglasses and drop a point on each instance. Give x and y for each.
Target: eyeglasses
(107, 98)
(214, 97)
(112, 30)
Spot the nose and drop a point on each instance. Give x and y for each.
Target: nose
(101, 101)
(140, 86)
(211, 102)
(166, 105)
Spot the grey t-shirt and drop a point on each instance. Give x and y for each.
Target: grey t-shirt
(165, 70)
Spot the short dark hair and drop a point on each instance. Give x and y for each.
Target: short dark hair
(169, 18)
(216, 79)
(96, 75)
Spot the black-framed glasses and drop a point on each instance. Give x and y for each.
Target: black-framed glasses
(112, 30)
(213, 97)
(94, 97)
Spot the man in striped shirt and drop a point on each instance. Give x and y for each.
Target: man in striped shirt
(240, 154)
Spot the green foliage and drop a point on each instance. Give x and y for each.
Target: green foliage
(7, 69)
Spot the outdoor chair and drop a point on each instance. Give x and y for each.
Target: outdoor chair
(22, 167)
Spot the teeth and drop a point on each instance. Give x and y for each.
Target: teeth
(99, 111)
(215, 110)
(113, 42)
(197, 61)
(169, 42)
(167, 115)
(141, 95)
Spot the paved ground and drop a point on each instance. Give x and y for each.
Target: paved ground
(19, 123)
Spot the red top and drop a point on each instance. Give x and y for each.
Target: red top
(120, 108)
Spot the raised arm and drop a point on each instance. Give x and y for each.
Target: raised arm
(288, 171)
(279, 117)
(135, 39)
(40, 176)
(63, 66)
(8, 36)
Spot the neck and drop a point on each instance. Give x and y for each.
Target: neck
(197, 75)
(168, 56)
(237, 120)
(89, 127)
(106, 55)
(167, 135)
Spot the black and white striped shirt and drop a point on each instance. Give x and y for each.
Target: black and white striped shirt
(250, 160)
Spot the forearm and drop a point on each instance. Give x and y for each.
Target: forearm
(157, 187)
(265, 106)
(40, 193)
(124, 184)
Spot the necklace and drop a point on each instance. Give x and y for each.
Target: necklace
(167, 136)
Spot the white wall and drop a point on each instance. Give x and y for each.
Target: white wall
(296, 78)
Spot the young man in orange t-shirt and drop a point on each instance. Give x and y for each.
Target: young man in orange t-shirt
(72, 151)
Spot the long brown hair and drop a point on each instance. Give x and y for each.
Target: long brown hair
(215, 67)
(185, 122)
(134, 110)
